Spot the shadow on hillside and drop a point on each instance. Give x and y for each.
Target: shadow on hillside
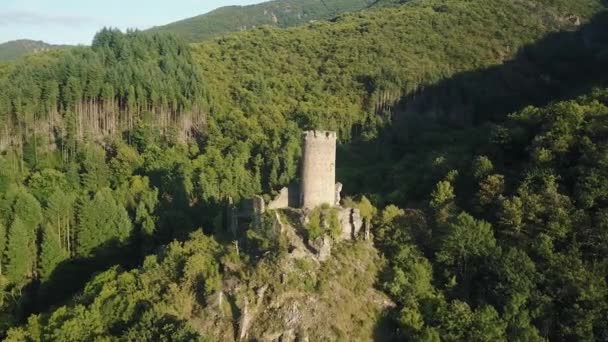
(177, 218)
(70, 276)
(453, 118)
(561, 65)
(386, 329)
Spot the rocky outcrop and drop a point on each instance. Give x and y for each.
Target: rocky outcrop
(350, 222)
(288, 299)
(338, 192)
(322, 247)
(247, 314)
(297, 247)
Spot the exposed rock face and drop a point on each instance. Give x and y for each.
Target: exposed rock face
(351, 223)
(338, 191)
(248, 314)
(367, 233)
(301, 300)
(322, 246)
(244, 321)
(298, 249)
(356, 221)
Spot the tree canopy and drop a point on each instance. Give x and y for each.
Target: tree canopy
(471, 139)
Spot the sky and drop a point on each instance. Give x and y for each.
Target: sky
(76, 21)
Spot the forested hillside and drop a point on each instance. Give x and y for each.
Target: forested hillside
(280, 13)
(18, 48)
(472, 137)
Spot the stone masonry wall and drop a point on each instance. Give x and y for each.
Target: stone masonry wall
(280, 201)
(318, 181)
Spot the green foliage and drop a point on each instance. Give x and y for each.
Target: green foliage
(22, 216)
(264, 236)
(395, 227)
(314, 230)
(482, 167)
(518, 277)
(138, 305)
(366, 208)
(283, 13)
(154, 326)
(87, 93)
(20, 252)
(411, 277)
(141, 200)
(52, 252)
(222, 175)
(333, 221)
(8, 173)
(59, 218)
(466, 238)
(124, 162)
(442, 202)
(141, 139)
(95, 171)
(101, 220)
(442, 195)
(491, 189)
(323, 220)
(42, 184)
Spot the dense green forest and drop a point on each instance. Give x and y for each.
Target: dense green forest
(66, 96)
(473, 137)
(280, 13)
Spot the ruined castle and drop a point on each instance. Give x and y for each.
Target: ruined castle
(317, 187)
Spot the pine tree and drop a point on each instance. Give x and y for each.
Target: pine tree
(20, 253)
(20, 244)
(58, 215)
(51, 253)
(101, 220)
(97, 172)
(28, 209)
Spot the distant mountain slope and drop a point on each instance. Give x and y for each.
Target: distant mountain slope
(281, 13)
(18, 48)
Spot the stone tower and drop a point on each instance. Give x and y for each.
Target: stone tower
(318, 183)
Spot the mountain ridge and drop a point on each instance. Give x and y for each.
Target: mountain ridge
(14, 49)
(226, 20)
(280, 13)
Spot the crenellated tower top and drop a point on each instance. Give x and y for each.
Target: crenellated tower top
(319, 134)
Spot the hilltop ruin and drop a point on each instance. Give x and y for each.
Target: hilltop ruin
(316, 189)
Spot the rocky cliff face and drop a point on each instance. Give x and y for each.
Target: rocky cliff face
(301, 295)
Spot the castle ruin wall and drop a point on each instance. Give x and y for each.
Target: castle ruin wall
(318, 182)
